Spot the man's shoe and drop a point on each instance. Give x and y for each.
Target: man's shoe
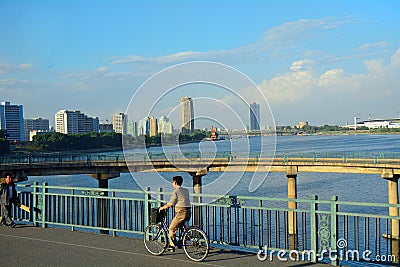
(171, 248)
(13, 225)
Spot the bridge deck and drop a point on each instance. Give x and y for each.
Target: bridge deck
(113, 167)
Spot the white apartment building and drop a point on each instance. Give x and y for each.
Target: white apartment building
(118, 122)
(71, 122)
(164, 126)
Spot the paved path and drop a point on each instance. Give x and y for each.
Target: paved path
(26, 245)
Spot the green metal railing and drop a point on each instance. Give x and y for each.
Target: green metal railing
(256, 223)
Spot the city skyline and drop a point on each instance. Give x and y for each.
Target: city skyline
(324, 62)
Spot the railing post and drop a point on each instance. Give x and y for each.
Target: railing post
(147, 198)
(291, 174)
(72, 210)
(35, 203)
(334, 224)
(160, 196)
(44, 191)
(314, 230)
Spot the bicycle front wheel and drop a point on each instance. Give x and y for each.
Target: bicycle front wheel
(195, 244)
(155, 239)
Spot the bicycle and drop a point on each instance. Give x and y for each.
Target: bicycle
(193, 239)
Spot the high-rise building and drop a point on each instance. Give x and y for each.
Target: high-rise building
(164, 126)
(118, 122)
(153, 126)
(254, 117)
(133, 128)
(144, 126)
(38, 125)
(187, 114)
(12, 120)
(71, 122)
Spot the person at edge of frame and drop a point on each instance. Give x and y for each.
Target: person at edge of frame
(8, 196)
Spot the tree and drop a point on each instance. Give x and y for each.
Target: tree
(4, 146)
(2, 134)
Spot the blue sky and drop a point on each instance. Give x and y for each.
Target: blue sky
(316, 61)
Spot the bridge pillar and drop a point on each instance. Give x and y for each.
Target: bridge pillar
(291, 174)
(197, 212)
(393, 198)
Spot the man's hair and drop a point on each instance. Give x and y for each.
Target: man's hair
(178, 180)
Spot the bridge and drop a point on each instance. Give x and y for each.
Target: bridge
(107, 166)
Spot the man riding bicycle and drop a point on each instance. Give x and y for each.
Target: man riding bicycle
(179, 199)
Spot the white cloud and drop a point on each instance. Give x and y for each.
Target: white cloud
(7, 81)
(301, 65)
(6, 68)
(117, 74)
(25, 66)
(102, 69)
(290, 86)
(292, 32)
(330, 76)
(304, 84)
(278, 38)
(395, 59)
(374, 65)
(373, 45)
(180, 56)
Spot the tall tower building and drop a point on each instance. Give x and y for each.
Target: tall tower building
(187, 114)
(73, 121)
(12, 120)
(133, 128)
(118, 122)
(254, 117)
(153, 126)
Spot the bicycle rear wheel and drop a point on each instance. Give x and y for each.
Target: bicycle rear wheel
(195, 243)
(155, 239)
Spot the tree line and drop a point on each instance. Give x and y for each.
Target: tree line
(55, 141)
(147, 141)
